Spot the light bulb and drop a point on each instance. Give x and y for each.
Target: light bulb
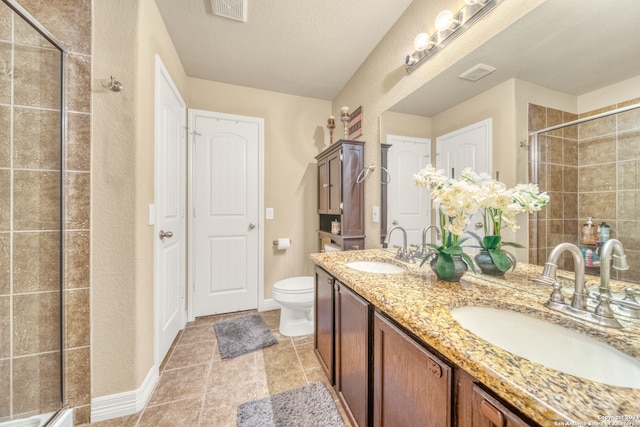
(471, 2)
(444, 20)
(421, 42)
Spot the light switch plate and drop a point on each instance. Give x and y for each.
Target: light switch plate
(152, 214)
(269, 213)
(375, 214)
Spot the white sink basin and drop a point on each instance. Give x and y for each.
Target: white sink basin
(551, 345)
(379, 267)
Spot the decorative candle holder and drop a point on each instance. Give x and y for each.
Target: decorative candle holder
(331, 125)
(344, 117)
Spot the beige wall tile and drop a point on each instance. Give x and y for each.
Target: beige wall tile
(36, 323)
(77, 259)
(628, 205)
(555, 176)
(554, 147)
(5, 77)
(77, 376)
(5, 200)
(36, 381)
(570, 206)
(68, 20)
(5, 384)
(597, 150)
(36, 141)
(537, 117)
(36, 77)
(629, 120)
(36, 262)
(36, 200)
(77, 199)
(597, 128)
(629, 174)
(629, 145)
(570, 179)
(78, 89)
(570, 152)
(5, 330)
(78, 144)
(5, 23)
(628, 232)
(597, 205)
(77, 319)
(601, 177)
(5, 263)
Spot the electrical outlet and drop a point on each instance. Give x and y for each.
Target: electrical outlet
(269, 213)
(375, 214)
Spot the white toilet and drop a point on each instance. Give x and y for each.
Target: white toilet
(295, 296)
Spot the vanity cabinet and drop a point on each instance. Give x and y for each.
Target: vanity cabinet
(340, 196)
(476, 407)
(412, 386)
(323, 337)
(353, 354)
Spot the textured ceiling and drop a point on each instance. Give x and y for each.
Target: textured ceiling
(302, 47)
(313, 47)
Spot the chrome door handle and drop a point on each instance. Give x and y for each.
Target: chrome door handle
(252, 226)
(164, 234)
(478, 225)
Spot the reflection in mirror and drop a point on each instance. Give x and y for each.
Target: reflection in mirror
(591, 169)
(567, 71)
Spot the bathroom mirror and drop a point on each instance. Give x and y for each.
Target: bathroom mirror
(565, 47)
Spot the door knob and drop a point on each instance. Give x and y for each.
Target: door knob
(395, 222)
(478, 225)
(252, 226)
(164, 234)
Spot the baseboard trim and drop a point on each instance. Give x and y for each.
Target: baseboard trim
(268, 304)
(125, 403)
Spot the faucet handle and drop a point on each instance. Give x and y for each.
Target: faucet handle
(556, 295)
(603, 309)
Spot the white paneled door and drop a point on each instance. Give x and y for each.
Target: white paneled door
(226, 194)
(408, 205)
(466, 147)
(170, 201)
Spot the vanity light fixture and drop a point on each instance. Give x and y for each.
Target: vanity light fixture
(448, 25)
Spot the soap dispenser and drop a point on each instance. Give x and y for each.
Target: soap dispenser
(589, 233)
(604, 232)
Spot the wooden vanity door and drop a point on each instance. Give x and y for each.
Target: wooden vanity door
(412, 387)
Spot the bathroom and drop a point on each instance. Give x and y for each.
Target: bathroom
(108, 314)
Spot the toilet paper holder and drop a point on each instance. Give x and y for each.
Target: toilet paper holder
(275, 242)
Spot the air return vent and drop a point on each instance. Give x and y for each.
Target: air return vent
(477, 72)
(232, 9)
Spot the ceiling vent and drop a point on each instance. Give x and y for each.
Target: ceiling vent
(232, 9)
(477, 72)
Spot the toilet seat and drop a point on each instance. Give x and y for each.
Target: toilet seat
(295, 285)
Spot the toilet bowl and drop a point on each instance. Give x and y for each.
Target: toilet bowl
(295, 296)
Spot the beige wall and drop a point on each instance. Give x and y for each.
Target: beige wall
(127, 35)
(392, 123)
(295, 132)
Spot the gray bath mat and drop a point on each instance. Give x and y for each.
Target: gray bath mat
(309, 406)
(243, 335)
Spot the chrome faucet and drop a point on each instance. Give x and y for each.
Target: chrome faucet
(402, 254)
(612, 249)
(603, 315)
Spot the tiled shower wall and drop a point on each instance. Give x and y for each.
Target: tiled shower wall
(589, 170)
(29, 255)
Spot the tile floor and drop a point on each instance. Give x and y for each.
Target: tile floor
(197, 388)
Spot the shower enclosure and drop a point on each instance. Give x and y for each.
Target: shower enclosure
(590, 166)
(31, 212)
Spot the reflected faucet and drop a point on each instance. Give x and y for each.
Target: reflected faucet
(422, 250)
(612, 249)
(603, 315)
(402, 254)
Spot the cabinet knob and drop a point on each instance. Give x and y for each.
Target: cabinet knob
(329, 281)
(325, 185)
(492, 413)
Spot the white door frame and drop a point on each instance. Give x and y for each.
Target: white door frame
(261, 222)
(161, 72)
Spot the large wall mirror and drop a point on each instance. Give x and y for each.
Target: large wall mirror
(564, 60)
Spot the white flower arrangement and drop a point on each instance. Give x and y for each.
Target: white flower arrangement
(456, 200)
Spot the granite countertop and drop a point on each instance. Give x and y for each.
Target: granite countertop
(421, 304)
